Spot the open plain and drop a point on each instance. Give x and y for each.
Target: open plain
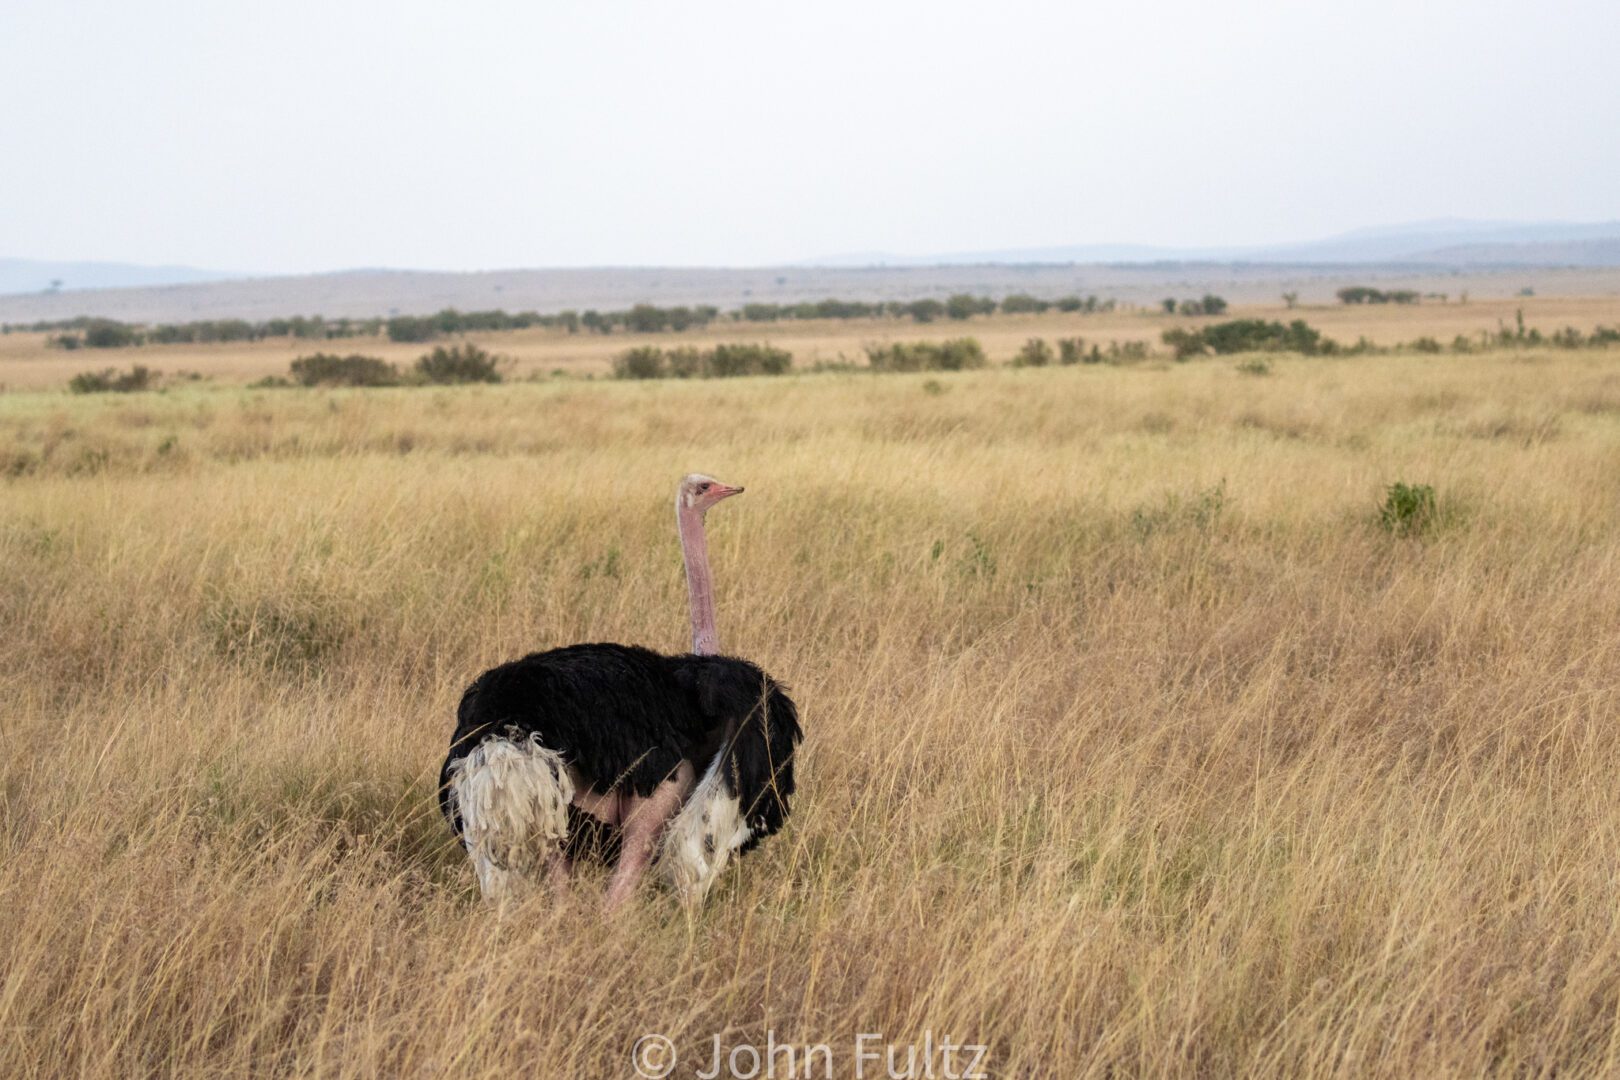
(1136, 742)
(27, 361)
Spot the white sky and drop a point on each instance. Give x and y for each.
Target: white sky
(295, 135)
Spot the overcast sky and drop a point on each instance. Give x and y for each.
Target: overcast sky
(296, 136)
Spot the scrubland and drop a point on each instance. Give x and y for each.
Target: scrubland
(1135, 744)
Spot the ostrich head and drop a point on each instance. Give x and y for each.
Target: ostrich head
(699, 492)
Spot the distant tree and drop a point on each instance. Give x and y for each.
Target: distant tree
(1361, 294)
(108, 334)
(412, 329)
(645, 319)
(1290, 298)
(1022, 303)
(966, 305)
(1169, 303)
(925, 311)
(1212, 304)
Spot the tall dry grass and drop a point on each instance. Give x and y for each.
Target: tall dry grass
(1135, 745)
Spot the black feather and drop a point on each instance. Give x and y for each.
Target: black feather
(624, 718)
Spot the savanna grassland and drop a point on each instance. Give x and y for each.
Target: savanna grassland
(1136, 744)
(28, 362)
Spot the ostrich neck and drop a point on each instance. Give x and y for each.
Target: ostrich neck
(699, 582)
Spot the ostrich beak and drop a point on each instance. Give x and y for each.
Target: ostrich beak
(724, 491)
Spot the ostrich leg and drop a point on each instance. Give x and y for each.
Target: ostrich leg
(642, 828)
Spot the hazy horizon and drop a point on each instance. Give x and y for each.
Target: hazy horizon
(316, 138)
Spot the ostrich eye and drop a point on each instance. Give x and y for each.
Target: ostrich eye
(702, 488)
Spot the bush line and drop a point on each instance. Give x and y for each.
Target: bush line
(86, 332)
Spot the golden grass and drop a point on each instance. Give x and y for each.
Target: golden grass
(1134, 745)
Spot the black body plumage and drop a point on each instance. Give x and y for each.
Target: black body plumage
(624, 718)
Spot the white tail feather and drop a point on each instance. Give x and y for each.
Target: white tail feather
(513, 799)
(701, 838)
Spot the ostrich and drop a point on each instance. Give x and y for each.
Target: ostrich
(694, 752)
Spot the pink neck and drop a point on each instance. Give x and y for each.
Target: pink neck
(699, 583)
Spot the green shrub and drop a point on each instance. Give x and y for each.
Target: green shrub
(1249, 335)
(723, 361)
(684, 363)
(1254, 366)
(641, 362)
(1035, 353)
(956, 355)
(726, 361)
(112, 381)
(1186, 343)
(1071, 350)
(1426, 345)
(465, 363)
(1408, 508)
(328, 369)
(107, 334)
